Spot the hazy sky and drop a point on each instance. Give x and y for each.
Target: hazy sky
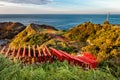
(59, 6)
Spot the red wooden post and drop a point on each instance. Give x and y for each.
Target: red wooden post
(18, 53)
(73, 59)
(91, 63)
(3, 49)
(47, 51)
(39, 54)
(44, 54)
(67, 56)
(56, 53)
(13, 53)
(91, 58)
(80, 61)
(49, 54)
(29, 55)
(24, 54)
(7, 53)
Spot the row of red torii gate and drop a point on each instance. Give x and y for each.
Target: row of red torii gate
(35, 54)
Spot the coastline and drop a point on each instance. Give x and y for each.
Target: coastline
(4, 42)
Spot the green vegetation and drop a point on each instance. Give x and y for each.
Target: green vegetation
(46, 71)
(57, 44)
(32, 35)
(103, 40)
(82, 31)
(111, 65)
(105, 44)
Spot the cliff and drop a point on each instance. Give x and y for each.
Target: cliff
(9, 29)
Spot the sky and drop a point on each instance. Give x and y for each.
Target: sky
(59, 6)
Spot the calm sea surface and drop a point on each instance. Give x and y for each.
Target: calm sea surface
(59, 21)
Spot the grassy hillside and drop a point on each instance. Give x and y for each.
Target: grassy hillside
(105, 43)
(103, 40)
(46, 71)
(82, 31)
(33, 35)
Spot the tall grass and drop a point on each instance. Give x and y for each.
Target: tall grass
(46, 71)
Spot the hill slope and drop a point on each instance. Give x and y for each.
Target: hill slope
(33, 35)
(103, 40)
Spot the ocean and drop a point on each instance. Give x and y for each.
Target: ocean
(59, 21)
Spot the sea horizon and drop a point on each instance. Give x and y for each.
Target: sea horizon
(62, 13)
(60, 21)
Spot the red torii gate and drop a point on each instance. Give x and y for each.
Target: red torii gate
(33, 54)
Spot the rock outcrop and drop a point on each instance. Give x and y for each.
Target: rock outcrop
(9, 29)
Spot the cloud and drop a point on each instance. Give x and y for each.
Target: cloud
(59, 6)
(1, 4)
(36, 2)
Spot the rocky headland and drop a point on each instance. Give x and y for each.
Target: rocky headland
(9, 29)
